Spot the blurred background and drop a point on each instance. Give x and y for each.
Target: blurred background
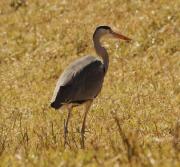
(39, 38)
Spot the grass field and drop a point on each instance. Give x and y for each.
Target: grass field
(135, 121)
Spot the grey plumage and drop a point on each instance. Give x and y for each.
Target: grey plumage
(80, 82)
(83, 79)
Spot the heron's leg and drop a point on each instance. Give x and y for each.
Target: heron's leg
(87, 107)
(69, 107)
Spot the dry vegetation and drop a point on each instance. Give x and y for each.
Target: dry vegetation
(135, 119)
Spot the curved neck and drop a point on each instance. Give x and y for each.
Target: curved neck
(101, 51)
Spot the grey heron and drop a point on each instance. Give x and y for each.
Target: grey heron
(82, 80)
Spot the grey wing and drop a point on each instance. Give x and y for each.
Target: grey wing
(81, 81)
(88, 83)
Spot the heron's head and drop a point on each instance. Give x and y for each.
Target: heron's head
(107, 31)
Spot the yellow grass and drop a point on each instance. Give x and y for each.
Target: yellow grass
(135, 119)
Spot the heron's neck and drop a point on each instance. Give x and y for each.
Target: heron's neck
(101, 51)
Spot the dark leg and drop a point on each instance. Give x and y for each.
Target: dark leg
(66, 125)
(87, 107)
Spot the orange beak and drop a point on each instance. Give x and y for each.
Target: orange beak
(120, 36)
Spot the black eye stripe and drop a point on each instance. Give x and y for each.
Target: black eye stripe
(103, 27)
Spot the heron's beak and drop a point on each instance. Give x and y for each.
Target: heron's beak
(120, 36)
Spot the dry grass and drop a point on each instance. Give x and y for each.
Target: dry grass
(134, 121)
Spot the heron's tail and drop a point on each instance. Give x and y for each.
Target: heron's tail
(56, 105)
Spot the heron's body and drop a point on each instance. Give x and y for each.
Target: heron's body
(82, 80)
